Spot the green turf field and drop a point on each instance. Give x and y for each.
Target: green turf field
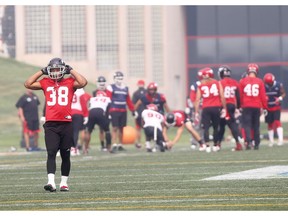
(136, 180)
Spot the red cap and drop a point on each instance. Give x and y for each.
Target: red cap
(141, 82)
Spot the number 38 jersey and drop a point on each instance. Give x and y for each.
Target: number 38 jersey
(252, 93)
(58, 98)
(210, 94)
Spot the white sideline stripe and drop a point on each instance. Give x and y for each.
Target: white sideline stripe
(86, 203)
(261, 173)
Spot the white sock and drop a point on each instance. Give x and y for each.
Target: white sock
(148, 146)
(114, 145)
(271, 136)
(51, 179)
(280, 134)
(64, 180)
(119, 145)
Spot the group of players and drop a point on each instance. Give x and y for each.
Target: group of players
(211, 103)
(215, 104)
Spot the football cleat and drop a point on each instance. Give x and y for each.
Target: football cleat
(202, 147)
(50, 188)
(120, 148)
(216, 148)
(64, 188)
(238, 147)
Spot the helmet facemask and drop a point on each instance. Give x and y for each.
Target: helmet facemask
(56, 72)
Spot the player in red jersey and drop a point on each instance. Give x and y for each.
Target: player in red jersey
(275, 93)
(211, 92)
(232, 97)
(58, 127)
(79, 112)
(181, 120)
(253, 99)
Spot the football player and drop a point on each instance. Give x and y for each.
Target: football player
(58, 129)
(211, 92)
(153, 122)
(152, 96)
(231, 95)
(101, 86)
(120, 99)
(275, 93)
(98, 114)
(139, 93)
(253, 99)
(79, 112)
(181, 120)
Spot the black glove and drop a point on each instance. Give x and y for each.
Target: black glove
(44, 71)
(68, 69)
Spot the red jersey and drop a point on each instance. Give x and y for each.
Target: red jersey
(58, 98)
(229, 88)
(252, 93)
(210, 94)
(179, 118)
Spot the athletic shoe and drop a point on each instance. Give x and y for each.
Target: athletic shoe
(64, 188)
(50, 188)
(114, 148)
(149, 150)
(280, 143)
(120, 148)
(238, 147)
(256, 147)
(138, 145)
(216, 148)
(202, 147)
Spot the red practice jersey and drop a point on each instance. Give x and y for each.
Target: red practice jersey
(179, 118)
(229, 88)
(58, 97)
(252, 93)
(210, 94)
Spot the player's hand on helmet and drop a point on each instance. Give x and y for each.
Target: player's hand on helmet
(85, 120)
(135, 114)
(44, 71)
(68, 69)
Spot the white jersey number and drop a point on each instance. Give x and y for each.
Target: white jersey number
(212, 91)
(59, 96)
(229, 91)
(252, 90)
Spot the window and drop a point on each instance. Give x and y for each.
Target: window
(37, 29)
(73, 32)
(107, 46)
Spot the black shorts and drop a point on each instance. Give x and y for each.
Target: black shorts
(77, 121)
(272, 116)
(33, 125)
(118, 119)
(58, 135)
(97, 116)
(149, 133)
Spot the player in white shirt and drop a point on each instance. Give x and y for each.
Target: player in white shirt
(153, 124)
(98, 107)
